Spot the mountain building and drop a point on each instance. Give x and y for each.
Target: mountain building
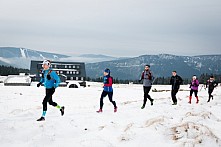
(66, 70)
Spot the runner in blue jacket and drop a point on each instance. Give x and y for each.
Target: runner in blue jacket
(108, 90)
(51, 81)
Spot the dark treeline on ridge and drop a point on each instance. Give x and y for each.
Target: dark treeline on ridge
(9, 70)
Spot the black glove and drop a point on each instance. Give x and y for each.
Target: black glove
(39, 84)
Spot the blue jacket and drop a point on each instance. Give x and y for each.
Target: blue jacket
(108, 81)
(53, 81)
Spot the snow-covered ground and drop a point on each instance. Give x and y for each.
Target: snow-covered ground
(189, 125)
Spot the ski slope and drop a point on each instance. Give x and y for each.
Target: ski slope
(184, 125)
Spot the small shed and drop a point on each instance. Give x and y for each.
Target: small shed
(17, 80)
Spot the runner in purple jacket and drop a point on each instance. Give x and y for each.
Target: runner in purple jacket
(194, 88)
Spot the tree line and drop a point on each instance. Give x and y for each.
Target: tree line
(9, 70)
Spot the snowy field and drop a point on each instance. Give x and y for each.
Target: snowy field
(184, 125)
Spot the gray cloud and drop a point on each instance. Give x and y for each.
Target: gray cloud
(113, 27)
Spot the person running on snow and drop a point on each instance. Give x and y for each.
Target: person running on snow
(194, 89)
(108, 90)
(51, 81)
(211, 84)
(147, 77)
(175, 81)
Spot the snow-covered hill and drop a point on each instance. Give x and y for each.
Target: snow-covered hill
(161, 65)
(184, 125)
(91, 58)
(21, 57)
(12, 52)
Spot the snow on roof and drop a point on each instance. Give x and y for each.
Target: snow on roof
(2, 78)
(18, 79)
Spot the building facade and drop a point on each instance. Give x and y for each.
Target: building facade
(66, 70)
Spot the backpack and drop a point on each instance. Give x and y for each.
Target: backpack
(48, 75)
(150, 77)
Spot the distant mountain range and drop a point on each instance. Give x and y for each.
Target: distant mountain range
(121, 68)
(21, 57)
(97, 56)
(161, 65)
(11, 52)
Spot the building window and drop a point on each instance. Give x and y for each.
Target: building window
(77, 72)
(76, 78)
(39, 66)
(73, 66)
(65, 66)
(67, 72)
(72, 78)
(82, 78)
(55, 66)
(78, 67)
(61, 72)
(69, 66)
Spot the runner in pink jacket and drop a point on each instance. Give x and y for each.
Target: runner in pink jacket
(194, 89)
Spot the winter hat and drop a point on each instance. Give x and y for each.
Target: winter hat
(194, 76)
(211, 76)
(46, 62)
(107, 71)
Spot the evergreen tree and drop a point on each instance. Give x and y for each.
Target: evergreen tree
(9, 70)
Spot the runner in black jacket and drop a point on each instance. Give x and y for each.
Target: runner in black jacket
(175, 81)
(211, 84)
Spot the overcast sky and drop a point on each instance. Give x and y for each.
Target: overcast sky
(113, 27)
